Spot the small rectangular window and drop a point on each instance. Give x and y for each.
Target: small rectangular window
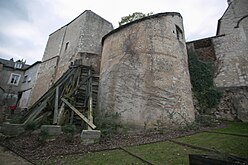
(66, 46)
(18, 65)
(14, 79)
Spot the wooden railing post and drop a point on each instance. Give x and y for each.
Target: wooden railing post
(90, 113)
(56, 105)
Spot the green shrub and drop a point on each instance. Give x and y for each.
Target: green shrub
(43, 136)
(32, 126)
(109, 124)
(201, 76)
(69, 129)
(16, 119)
(206, 120)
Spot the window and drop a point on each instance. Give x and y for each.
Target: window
(18, 65)
(179, 33)
(25, 78)
(66, 46)
(14, 79)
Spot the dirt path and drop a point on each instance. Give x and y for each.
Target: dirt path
(9, 158)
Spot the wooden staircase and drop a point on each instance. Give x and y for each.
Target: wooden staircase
(86, 95)
(72, 99)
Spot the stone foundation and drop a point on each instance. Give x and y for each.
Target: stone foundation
(52, 130)
(12, 129)
(90, 136)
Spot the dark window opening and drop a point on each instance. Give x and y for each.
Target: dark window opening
(179, 33)
(66, 46)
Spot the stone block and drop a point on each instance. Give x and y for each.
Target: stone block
(90, 136)
(12, 129)
(52, 130)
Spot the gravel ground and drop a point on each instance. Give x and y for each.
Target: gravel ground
(9, 158)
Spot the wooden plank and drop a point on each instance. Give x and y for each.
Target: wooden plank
(90, 116)
(48, 94)
(36, 112)
(56, 105)
(72, 116)
(78, 86)
(79, 114)
(61, 111)
(38, 119)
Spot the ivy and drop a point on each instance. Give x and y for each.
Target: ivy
(202, 75)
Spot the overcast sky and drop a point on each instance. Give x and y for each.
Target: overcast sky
(26, 24)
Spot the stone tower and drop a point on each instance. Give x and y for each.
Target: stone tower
(144, 78)
(78, 40)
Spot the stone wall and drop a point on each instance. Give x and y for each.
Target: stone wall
(231, 50)
(204, 49)
(144, 74)
(233, 104)
(92, 32)
(45, 78)
(54, 44)
(236, 10)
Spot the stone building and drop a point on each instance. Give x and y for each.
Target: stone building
(78, 40)
(17, 80)
(229, 52)
(27, 84)
(232, 47)
(143, 65)
(144, 79)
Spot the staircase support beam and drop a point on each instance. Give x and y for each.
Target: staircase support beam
(79, 113)
(56, 105)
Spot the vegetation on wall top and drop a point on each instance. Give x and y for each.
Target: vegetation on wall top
(132, 17)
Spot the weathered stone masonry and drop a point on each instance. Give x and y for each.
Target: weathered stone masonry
(232, 47)
(144, 73)
(229, 52)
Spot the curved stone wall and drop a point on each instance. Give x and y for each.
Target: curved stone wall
(144, 81)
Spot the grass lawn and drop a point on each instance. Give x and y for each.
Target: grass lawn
(226, 144)
(158, 153)
(235, 127)
(169, 153)
(164, 153)
(99, 158)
